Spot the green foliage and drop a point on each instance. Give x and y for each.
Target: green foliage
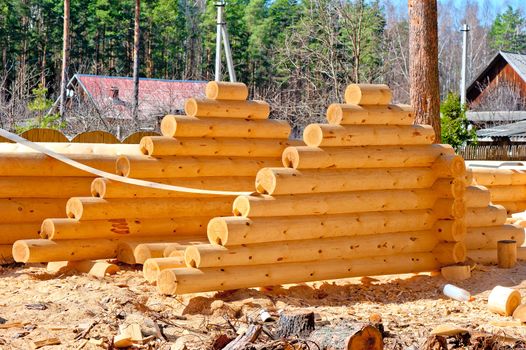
(455, 125)
(40, 105)
(508, 32)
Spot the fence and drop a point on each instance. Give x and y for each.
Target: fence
(493, 152)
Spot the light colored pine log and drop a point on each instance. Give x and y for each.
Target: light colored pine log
(95, 268)
(514, 207)
(190, 280)
(492, 215)
(507, 254)
(456, 273)
(227, 109)
(6, 255)
(489, 256)
(126, 249)
(223, 147)
(185, 126)
(447, 208)
(347, 114)
(99, 149)
(368, 94)
(304, 157)
(503, 300)
(104, 188)
(450, 166)
(64, 228)
(512, 193)
(334, 203)
(169, 167)
(43, 187)
(22, 230)
(147, 251)
(450, 188)
(450, 230)
(325, 135)
(477, 197)
(469, 176)
(153, 267)
(221, 90)
(88, 208)
(448, 253)
(23, 210)
(44, 250)
(498, 177)
(232, 231)
(176, 249)
(487, 237)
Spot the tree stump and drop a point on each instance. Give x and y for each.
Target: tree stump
(355, 336)
(295, 324)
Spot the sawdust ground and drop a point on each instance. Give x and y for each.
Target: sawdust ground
(410, 305)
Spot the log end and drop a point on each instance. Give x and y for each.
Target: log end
(217, 231)
(147, 145)
(122, 166)
(290, 157)
(167, 282)
(21, 251)
(150, 270)
(168, 126)
(334, 114)
(192, 257)
(313, 135)
(190, 107)
(241, 206)
(74, 208)
(265, 181)
(47, 230)
(98, 187)
(367, 338)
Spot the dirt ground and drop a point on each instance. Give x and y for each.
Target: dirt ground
(84, 312)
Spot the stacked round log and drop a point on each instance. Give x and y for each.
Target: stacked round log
(219, 145)
(369, 194)
(34, 186)
(507, 187)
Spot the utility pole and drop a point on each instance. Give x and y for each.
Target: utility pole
(65, 61)
(465, 30)
(222, 33)
(136, 41)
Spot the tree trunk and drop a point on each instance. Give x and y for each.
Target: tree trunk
(65, 60)
(137, 33)
(423, 63)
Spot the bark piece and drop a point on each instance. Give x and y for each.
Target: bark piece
(355, 336)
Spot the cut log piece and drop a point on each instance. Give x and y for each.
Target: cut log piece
(43, 250)
(492, 215)
(190, 280)
(104, 188)
(487, 237)
(166, 167)
(43, 187)
(347, 114)
(127, 251)
(520, 313)
(37, 164)
(295, 324)
(503, 300)
(507, 193)
(347, 336)
(498, 177)
(477, 197)
(220, 90)
(88, 208)
(227, 109)
(333, 203)
(319, 249)
(6, 255)
(224, 147)
(153, 267)
(63, 228)
(94, 268)
(21, 230)
(23, 210)
(232, 231)
(99, 149)
(489, 256)
(145, 251)
(368, 94)
(185, 126)
(456, 272)
(304, 157)
(507, 253)
(325, 135)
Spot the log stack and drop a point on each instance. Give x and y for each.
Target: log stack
(370, 194)
(34, 186)
(220, 144)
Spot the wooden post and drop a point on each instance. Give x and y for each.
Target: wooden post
(65, 60)
(507, 253)
(136, 43)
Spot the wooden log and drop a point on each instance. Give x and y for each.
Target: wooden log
(317, 250)
(6, 256)
(334, 203)
(450, 166)
(450, 230)
(44, 250)
(126, 249)
(507, 193)
(489, 256)
(347, 114)
(233, 231)
(507, 253)
(167, 167)
(449, 188)
(498, 177)
(346, 336)
(325, 135)
(276, 181)
(227, 109)
(43, 187)
(190, 280)
(447, 208)
(368, 94)
(94, 268)
(469, 177)
(152, 267)
(63, 228)
(145, 251)
(88, 208)
(503, 300)
(22, 230)
(40, 165)
(224, 147)
(487, 237)
(23, 210)
(456, 272)
(99, 149)
(304, 157)
(221, 90)
(477, 197)
(450, 253)
(513, 207)
(185, 126)
(491, 215)
(104, 188)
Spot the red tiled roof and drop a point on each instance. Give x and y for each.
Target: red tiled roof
(156, 96)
